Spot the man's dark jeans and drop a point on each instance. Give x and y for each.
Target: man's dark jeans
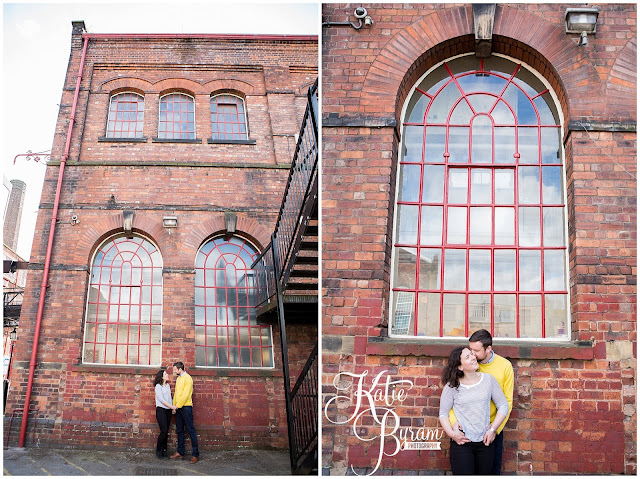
(184, 418)
(497, 454)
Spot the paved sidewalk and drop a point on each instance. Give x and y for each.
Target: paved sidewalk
(32, 461)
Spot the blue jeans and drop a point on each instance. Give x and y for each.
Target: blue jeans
(184, 418)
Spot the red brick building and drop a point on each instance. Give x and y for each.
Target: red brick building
(479, 171)
(174, 173)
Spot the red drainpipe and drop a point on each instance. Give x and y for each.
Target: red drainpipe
(47, 261)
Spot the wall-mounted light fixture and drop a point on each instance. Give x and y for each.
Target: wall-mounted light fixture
(582, 20)
(14, 334)
(362, 16)
(170, 221)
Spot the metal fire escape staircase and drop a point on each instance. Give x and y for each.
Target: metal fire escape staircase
(287, 283)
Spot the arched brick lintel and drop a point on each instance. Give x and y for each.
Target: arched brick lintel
(94, 236)
(517, 33)
(245, 226)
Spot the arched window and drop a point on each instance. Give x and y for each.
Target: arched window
(124, 307)
(176, 118)
(480, 237)
(228, 118)
(126, 115)
(227, 334)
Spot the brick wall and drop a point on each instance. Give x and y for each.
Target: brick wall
(575, 403)
(89, 406)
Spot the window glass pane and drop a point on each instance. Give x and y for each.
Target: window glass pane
(530, 271)
(550, 145)
(504, 306)
(402, 312)
(482, 141)
(480, 186)
(433, 184)
(505, 226)
(453, 315)
(458, 145)
(479, 312)
(431, 228)
(428, 314)
(505, 141)
(461, 114)
(529, 185)
(417, 107)
(434, 144)
(455, 273)
(555, 316)
(530, 316)
(413, 144)
(553, 224)
(522, 106)
(457, 226)
(480, 225)
(528, 145)
(504, 187)
(529, 226)
(481, 103)
(479, 270)
(430, 268)
(544, 104)
(407, 231)
(554, 270)
(458, 184)
(552, 185)
(502, 115)
(441, 105)
(404, 269)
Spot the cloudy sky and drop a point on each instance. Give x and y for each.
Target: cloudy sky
(35, 52)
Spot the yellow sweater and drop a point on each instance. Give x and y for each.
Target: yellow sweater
(501, 369)
(184, 390)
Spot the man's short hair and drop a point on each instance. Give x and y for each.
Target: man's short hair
(483, 336)
(179, 365)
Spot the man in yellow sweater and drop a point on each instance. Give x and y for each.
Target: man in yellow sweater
(481, 344)
(184, 413)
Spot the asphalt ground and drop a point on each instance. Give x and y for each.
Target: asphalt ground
(32, 461)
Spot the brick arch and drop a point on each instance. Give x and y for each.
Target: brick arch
(226, 84)
(178, 84)
(138, 84)
(112, 224)
(520, 34)
(621, 83)
(245, 226)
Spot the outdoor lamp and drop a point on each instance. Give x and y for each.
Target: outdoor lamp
(581, 20)
(170, 221)
(14, 334)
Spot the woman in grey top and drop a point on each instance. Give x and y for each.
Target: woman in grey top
(164, 409)
(469, 392)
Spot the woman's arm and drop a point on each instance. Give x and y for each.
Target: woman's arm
(446, 404)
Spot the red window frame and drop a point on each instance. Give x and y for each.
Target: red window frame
(227, 332)
(517, 165)
(125, 294)
(176, 117)
(228, 117)
(126, 115)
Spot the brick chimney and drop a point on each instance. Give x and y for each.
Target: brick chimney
(14, 214)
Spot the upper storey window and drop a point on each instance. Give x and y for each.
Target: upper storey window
(480, 237)
(126, 116)
(177, 117)
(228, 118)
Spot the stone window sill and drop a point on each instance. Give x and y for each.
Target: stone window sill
(508, 348)
(122, 140)
(176, 140)
(193, 371)
(211, 141)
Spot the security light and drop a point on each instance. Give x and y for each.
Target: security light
(581, 20)
(170, 221)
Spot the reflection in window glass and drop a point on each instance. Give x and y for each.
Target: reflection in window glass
(231, 336)
(120, 327)
(491, 199)
(228, 118)
(126, 116)
(176, 117)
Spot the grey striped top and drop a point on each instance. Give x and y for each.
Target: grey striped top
(472, 405)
